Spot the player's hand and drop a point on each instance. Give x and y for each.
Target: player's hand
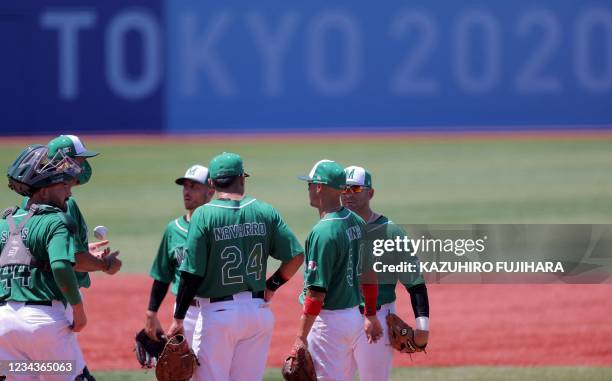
(176, 328)
(153, 326)
(421, 337)
(113, 264)
(97, 249)
(298, 343)
(80, 319)
(373, 329)
(268, 294)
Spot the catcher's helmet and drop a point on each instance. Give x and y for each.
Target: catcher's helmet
(32, 170)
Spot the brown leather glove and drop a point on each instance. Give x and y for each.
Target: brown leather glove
(401, 335)
(177, 361)
(299, 365)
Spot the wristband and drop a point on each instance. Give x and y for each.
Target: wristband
(370, 297)
(312, 306)
(422, 323)
(275, 281)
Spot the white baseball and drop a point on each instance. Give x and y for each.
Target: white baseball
(100, 232)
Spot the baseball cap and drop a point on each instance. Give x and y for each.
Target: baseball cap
(197, 173)
(326, 172)
(71, 145)
(358, 176)
(226, 164)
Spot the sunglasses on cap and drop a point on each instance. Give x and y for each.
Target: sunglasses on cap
(354, 189)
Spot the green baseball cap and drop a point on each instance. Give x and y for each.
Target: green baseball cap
(326, 172)
(358, 176)
(226, 164)
(70, 145)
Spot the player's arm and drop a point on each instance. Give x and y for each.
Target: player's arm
(420, 306)
(285, 272)
(187, 290)
(152, 324)
(313, 303)
(65, 278)
(369, 292)
(192, 270)
(88, 262)
(320, 254)
(87, 257)
(287, 249)
(162, 271)
(415, 285)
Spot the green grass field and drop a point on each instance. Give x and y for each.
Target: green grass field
(132, 191)
(436, 374)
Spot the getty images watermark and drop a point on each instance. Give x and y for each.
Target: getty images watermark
(490, 253)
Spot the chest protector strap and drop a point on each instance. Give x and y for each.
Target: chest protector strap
(15, 251)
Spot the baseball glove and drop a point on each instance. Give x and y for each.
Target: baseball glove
(401, 335)
(177, 361)
(147, 350)
(299, 365)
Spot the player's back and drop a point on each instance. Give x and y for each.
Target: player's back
(238, 236)
(333, 253)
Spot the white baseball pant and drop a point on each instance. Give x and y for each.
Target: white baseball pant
(33, 332)
(375, 360)
(332, 342)
(232, 339)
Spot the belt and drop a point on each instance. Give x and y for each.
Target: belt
(47, 303)
(362, 309)
(256, 295)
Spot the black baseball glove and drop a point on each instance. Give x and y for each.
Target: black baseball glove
(147, 350)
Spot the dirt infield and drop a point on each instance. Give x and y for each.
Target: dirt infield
(471, 325)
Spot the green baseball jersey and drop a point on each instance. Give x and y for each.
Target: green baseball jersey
(229, 242)
(170, 254)
(383, 228)
(332, 256)
(48, 238)
(81, 242)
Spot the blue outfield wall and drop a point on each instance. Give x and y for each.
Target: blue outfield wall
(228, 66)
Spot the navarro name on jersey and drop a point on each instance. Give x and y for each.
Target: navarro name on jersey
(241, 230)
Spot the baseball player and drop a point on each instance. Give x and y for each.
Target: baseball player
(331, 323)
(36, 276)
(228, 245)
(88, 257)
(374, 361)
(165, 268)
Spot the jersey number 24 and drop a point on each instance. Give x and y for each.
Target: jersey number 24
(232, 271)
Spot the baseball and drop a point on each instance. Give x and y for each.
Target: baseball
(100, 232)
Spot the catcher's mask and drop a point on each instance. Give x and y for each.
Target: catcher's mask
(32, 169)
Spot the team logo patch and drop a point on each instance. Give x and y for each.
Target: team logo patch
(312, 265)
